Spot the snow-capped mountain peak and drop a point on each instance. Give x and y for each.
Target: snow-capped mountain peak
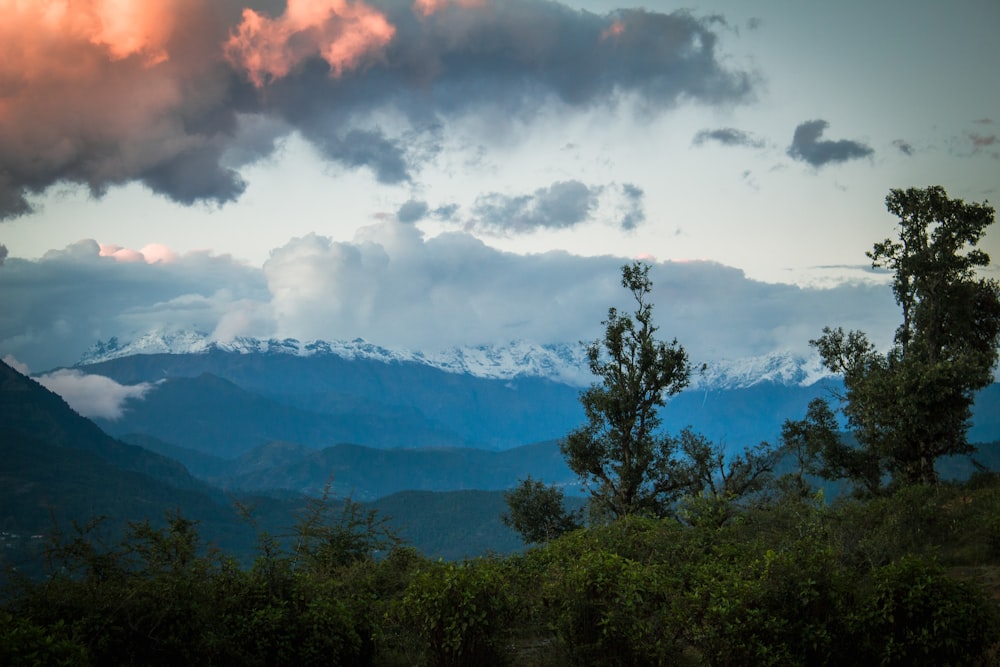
(784, 368)
(561, 362)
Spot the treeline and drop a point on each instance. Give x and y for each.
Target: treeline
(903, 579)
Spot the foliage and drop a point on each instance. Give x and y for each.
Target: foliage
(911, 406)
(915, 614)
(783, 606)
(718, 488)
(619, 450)
(24, 643)
(788, 581)
(461, 612)
(817, 448)
(323, 544)
(538, 512)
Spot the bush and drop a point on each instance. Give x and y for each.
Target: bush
(772, 608)
(915, 614)
(610, 610)
(24, 643)
(461, 613)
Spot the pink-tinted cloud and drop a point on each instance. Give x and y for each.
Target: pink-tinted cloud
(615, 30)
(428, 7)
(153, 253)
(100, 92)
(36, 34)
(345, 34)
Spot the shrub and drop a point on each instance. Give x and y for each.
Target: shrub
(461, 612)
(915, 614)
(610, 610)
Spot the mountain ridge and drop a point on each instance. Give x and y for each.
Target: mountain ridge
(564, 363)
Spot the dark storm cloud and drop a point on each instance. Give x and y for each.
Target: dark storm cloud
(3, 253)
(808, 147)
(562, 204)
(193, 176)
(727, 136)
(168, 103)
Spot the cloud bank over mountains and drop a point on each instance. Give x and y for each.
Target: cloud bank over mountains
(181, 95)
(395, 287)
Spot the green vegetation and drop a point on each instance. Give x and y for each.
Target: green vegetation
(911, 406)
(904, 579)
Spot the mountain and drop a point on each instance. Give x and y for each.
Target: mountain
(226, 399)
(323, 400)
(564, 363)
(365, 474)
(213, 415)
(29, 409)
(58, 468)
(559, 362)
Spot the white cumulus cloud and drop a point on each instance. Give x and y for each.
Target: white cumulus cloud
(93, 395)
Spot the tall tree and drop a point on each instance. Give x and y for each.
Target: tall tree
(620, 451)
(912, 405)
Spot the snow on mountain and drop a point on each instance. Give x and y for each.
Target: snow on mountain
(783, 368)
(560, 362)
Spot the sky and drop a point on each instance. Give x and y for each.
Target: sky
(431, 173)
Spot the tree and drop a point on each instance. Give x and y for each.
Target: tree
(716, 486)
(912, 405)
(537, 512)
(620, 451)
(815, 447)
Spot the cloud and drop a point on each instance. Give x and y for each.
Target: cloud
(15, 364)
(631, 209)
(809, 148)
(396, 287)
(428, 7)
(180, 94)
(560, 205)
(904, 146)
(982, 140)
(93, 395)
(412, 211)
(342, 34)
(151, 253)
(727, 136)
(3, 253)
(54, 308)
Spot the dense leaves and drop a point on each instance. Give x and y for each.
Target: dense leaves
(911, 406)
(538, 512)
